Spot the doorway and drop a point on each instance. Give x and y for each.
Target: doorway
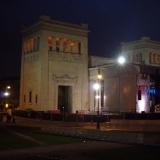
(65, 99)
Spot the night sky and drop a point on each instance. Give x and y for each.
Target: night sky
(110, 22)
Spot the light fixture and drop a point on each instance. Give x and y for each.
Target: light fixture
(8, 87)
(99, 76)
(6, 93)
(121, 60)
(96, 86)
(97, 96)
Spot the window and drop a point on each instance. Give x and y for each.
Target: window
(31, 44)
(154, 58)
(57, 44)
(36, 99)
(79, 47)
(72, 46)
(140, 57)
(65, 45)
(132, 57)
(137, 57)
(49, 43)
(30, 96)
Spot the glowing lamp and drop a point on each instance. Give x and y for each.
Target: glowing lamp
(96, 86)
(6, 93)
(97, 96)
(99, 76)
(121, 60)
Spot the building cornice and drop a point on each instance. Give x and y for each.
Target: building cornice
(56, 26)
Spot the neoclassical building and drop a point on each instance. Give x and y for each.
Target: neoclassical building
(58, 74)
(54, 69)
(133, 86)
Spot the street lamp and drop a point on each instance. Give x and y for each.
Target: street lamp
(6, 94)
(121, 60)
(99, 76)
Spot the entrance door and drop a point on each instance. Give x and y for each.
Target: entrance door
(65, 99)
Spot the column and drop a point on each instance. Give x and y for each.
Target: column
(68, 46)
(61, 45)
(75, 47)
(53, 43)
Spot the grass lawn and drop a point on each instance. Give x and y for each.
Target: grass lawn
(9, 140)
(34, 133)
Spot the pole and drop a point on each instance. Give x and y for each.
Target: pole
(98, 124)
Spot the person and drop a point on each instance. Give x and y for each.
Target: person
(8, 118)
(13, 119)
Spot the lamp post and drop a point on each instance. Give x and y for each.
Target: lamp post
(121, 61)
(6, 94)
(99, 76)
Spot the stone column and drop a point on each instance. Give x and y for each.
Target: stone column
(37, 44)
(34, 44)
(68, 46)
(53, 43)
(75, 47)
(28, 46)
(61, 45)
(31, 42)
(156, 59)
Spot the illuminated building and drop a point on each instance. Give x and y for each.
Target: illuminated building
(132, 87)
(54, 70)
(58, 74)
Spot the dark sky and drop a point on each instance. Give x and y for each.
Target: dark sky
(110, 22)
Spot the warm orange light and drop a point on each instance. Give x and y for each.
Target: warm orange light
(8, 87)
(99, 76)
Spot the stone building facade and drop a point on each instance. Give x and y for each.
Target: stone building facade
(132, 87)
(145, 53)
(57, 73)
(54, 69)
